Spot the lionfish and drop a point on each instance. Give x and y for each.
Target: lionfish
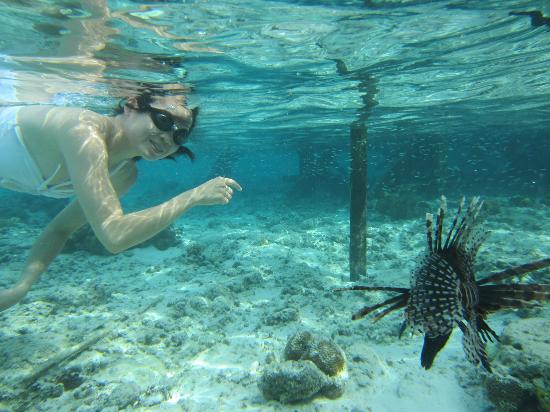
(445, 294)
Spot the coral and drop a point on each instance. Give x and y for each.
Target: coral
(71, 378)
(195, 253)
(334, 388)
(508, 394)
(325, 354)
(164, 240)
(328, 357)
(291, 381)
(282, 316)
(85, 239)
(525, 354)
(525, 349)
(542, 395)
(47, 390)
(311, 367)
(298, 345)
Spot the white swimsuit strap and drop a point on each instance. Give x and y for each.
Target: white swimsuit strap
(44, 185)
(118, 168)
(65, 189)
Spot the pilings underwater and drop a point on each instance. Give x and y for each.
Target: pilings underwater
(358, 201)
(368, 90)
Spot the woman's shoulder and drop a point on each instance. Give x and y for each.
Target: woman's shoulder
(56, 114)
(65, 125)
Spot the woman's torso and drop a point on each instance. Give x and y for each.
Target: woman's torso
(41, 131)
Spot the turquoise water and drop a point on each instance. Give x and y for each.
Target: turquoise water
(266, 78)
(456, 99)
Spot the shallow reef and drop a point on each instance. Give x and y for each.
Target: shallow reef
(86, 240)
(246, 302)
(523, 362)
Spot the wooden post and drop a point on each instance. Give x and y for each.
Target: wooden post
(358, 201)
(358, 178)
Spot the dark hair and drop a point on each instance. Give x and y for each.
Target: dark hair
(144, 100)
(182, 150)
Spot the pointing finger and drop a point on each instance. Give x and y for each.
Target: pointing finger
(232, 183)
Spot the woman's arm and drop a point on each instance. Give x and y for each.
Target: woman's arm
(87, 160)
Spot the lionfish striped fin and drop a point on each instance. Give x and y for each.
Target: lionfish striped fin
(473, 346)
(467, 223)
(401, 303)
(516, 291)
(474, 242)
(471, 218)
(434, 305)
(465, 236)
(515, 271)
(431, 347)
(439, 226)
(429, 228)
(373, 289)
(369, 309)
(496, 297)
(455, 220)
(499, 304)
(486, 332)
(397, 302)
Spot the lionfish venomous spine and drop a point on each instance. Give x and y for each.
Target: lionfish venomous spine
(444, 293)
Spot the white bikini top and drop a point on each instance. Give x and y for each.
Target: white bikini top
(64, 189)
(19, 171)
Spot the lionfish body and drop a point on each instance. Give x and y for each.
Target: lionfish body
(444, 293)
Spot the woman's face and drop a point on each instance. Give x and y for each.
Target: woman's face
(162, 127)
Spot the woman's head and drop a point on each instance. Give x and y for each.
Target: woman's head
(164, 123)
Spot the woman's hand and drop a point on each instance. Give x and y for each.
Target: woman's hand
(217, 191)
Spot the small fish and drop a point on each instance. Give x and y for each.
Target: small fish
(445, 294)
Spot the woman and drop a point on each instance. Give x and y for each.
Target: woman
(60, 152)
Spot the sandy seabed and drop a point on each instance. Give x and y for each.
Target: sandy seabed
(190, 328)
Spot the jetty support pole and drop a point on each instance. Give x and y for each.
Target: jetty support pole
(358, 201)
(368, 90)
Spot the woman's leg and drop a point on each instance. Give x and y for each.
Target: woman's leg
(54, 237)
(44, 250)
